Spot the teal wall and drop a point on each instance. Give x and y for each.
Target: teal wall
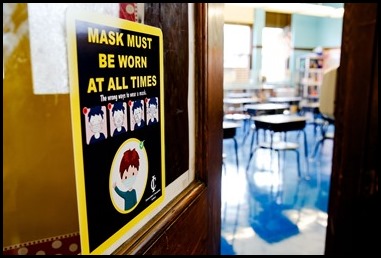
(259, 23)
(304, 31)
(330, 31)
(308, 32)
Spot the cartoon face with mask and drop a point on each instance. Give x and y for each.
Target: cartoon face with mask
(129, 170)
(129, 177)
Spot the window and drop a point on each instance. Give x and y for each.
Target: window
(276, 47)
(237, 52)
(237, 42)
(276, 51)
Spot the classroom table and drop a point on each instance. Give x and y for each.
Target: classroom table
(280, 123)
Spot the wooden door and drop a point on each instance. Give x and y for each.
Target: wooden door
(191, 223)
(354, 204)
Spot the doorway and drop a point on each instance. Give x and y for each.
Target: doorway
(265, 212)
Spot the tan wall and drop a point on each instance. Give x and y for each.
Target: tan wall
(238, 14)
(39, 195)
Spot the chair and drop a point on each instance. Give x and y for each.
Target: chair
(240, 118)
(327, 106)
(278, 147)
(280, 124)
(230, 129)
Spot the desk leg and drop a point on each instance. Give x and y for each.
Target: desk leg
(298, 163)
(247, 128)
(236, 152)
(252, 139)
(252, 150)
(271, 150)
(306, 154)
(279, 167)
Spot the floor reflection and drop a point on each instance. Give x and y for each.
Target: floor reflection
(270, 211)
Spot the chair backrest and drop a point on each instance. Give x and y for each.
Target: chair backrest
(327, 93)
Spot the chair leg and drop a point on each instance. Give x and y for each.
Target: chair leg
(324, 129)
(252, 153)
(318, 143)
(298, 163)
(225, 212)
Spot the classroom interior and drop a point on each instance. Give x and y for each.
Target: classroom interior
(277, 62)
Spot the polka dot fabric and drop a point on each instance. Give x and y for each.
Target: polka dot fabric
(60, 245)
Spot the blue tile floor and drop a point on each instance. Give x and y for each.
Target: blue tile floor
(265, 211)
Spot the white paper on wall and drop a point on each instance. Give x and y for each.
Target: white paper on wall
(47, 32)
(140, 12)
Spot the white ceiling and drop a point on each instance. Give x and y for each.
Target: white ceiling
(299, 8)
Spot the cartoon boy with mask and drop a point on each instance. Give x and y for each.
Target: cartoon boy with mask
(138, 113)
(96, 124)
(129, 169)
(118, 118)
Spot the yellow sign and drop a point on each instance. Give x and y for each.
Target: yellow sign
(117, 109)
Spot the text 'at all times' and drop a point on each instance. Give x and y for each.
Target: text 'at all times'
(120, 83)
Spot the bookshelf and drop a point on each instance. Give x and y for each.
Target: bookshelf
(310, 76)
